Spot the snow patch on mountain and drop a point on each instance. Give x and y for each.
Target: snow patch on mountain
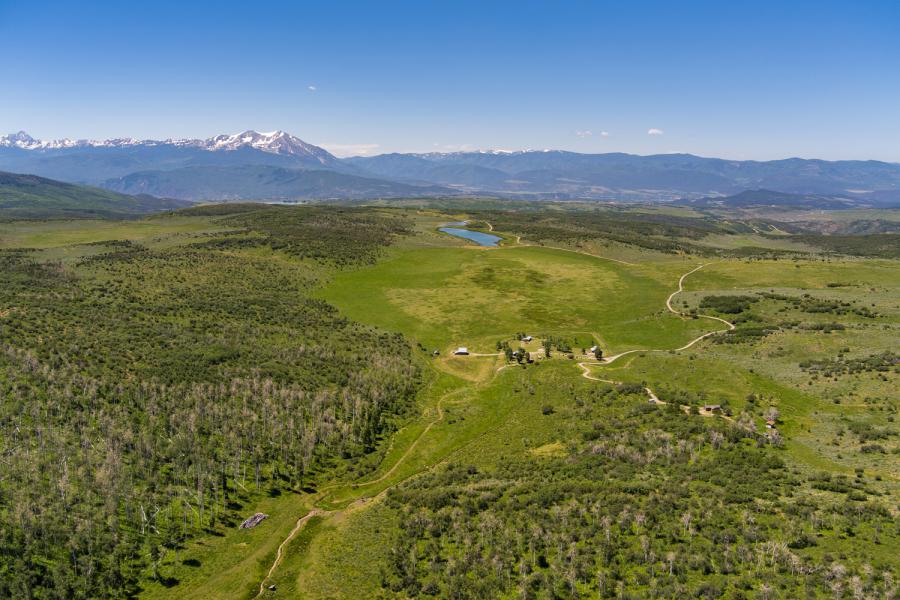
(275, 142)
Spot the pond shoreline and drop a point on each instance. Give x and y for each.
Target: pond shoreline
(480, 238)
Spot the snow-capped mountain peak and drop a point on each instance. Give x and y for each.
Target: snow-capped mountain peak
(275, 142)
(26, 142)
(21, 137)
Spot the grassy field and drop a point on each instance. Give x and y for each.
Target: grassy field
(442, 293)
(56, 234)
(484, 431)
(473, 297)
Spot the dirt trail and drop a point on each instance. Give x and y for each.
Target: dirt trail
(319, 512)
(610, 359)
(278, 555)
(586, 372)
(403, 457)
(358, 501)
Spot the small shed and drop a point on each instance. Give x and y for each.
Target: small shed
(462, 351)
(527, 338)
(593, 350)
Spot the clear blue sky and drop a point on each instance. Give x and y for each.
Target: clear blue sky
(733, 79)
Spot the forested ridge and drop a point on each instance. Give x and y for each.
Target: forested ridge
(149, 393)
(674, 234)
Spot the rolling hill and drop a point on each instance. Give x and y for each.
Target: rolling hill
(261, 182)
(32, 197)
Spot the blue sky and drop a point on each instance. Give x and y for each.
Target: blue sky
(756, 80)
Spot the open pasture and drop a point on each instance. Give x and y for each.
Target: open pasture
(448, 297)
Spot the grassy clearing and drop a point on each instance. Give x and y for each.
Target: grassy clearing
(150, 231)
(753, 241)
(473, 297)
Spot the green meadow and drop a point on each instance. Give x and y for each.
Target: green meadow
(409, 474)
(448, 297)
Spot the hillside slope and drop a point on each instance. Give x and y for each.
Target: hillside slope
(254, 182)
(780, 200)
(33, 197)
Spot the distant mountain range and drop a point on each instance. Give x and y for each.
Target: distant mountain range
(32, 197)
(277, 165)
(242, 182)
(276, 142)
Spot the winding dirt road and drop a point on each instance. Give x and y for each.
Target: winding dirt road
(586, 373)
(610, 359)
(585, 366)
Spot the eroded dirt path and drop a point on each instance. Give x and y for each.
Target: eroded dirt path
(280, 553)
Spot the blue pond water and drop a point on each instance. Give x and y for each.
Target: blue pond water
(482, 239)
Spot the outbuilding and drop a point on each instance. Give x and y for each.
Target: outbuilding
(462, 351)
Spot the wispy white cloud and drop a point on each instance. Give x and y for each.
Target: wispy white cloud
(351, 149)
(312, 88)
(604, 134)
(655, 131)
(584, 133)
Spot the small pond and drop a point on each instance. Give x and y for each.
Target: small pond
(482, 239)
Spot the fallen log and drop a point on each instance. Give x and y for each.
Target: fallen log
(254, 521)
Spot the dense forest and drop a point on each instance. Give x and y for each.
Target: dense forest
(148, 392)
